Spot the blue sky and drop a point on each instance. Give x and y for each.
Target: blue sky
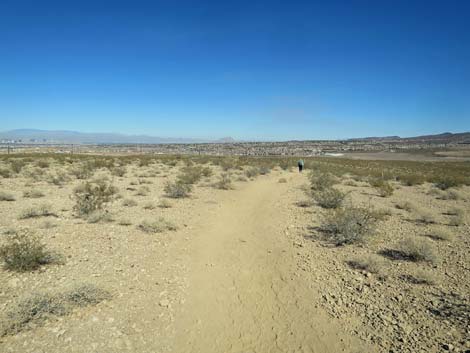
(262, 70)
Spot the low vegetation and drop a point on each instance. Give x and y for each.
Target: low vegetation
(159, 225)
(42, 210)
(349, 225)
(5, 196)
(177, 189)
(38, 308)
(329, 197)
(92, 196)
(23, 251)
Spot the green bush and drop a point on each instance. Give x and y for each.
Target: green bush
(329, 197)
(177, 189)
(321, 181)
(349, 225)
(23, 251)
(92, 196)
(224, 182)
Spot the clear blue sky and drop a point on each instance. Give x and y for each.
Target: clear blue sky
(246, 69)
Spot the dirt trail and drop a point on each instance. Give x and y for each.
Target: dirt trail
(244, 291)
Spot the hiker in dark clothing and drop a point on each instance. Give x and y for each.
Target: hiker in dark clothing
(300, 164)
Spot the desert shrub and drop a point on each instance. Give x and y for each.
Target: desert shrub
(416, 249)
(411, 179)
(440, 234)
(384, 188)
(118, 171)
(455, 211)
(206, 172)
(305, 203)
(125, 222)
(43, 210)
(164, 204)
(224, 182)
(264, 170)
(445, 183)
(143, 190)
(457, 220)
(242, 178)
(38, 308)
(16, 165)
(405, 205)
(370, 263)
(5, 196)
(349, 225)
(321, 181)
(149, 206)
(85, 295)
(158, 226)
(24, 251)
(425, 217)
(98, 216)
(43, 164)
(33, 194)
(421, 276)
(5, 173)
(282, 180)
(190, 175)
(82, 171)
(92, 196)
(252, 172)
(58, 178)
(329, 197)
(177, 189)
(450, 195)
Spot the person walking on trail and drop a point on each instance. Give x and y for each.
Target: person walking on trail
(300, 164)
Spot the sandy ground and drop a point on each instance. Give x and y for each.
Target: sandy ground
(244, 272)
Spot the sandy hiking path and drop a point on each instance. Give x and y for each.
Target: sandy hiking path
(244, 290)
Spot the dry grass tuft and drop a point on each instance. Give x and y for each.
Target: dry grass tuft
(38, 308)
(33, 194)
(370, 263)
(43, 210)
(158, 226)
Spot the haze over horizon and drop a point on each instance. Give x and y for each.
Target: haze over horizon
(253, 70)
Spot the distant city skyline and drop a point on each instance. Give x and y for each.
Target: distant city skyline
(257, 70)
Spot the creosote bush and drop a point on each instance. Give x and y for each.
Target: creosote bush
(384, 188)
(252, 172)
(320, 181)
(92, 196)
(329, 197)
(24, 251)
(224, 182)
(177, 190)
(349, 225)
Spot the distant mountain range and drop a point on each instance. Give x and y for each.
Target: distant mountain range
(59, 136)
(446, 137)
(64, 136)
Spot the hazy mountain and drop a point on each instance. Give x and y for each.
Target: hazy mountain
(64, 136)
(446, 137)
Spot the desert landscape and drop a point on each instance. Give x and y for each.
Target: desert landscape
(152, 253)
